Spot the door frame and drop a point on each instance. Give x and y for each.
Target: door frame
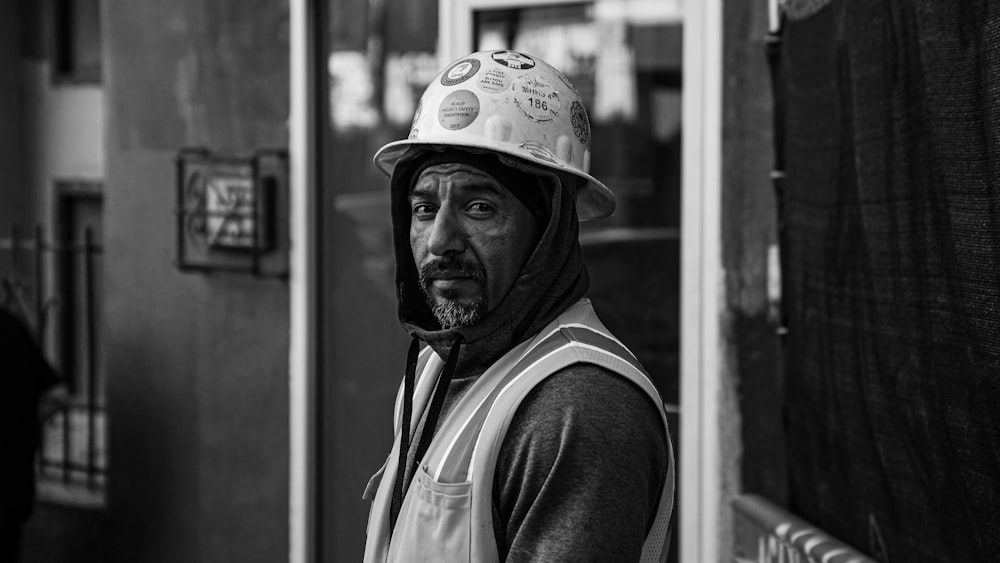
(701, 266)
(702, 284)
(303, 281)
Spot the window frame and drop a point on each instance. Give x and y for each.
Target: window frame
(701, 267)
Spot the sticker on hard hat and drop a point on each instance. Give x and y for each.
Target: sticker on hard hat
(514, 60)
(581, 123)
(458, 110)
(416, 114)
(536, 98)
(460, 72)
(539, 151)
(494, 80)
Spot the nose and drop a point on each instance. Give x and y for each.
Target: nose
(446, 235)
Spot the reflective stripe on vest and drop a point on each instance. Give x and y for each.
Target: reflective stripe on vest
(463, 454)
(565, 346)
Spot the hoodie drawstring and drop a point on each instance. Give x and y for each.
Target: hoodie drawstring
(404, 438)
(403, 474)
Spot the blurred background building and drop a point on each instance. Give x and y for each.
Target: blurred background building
(190, 223)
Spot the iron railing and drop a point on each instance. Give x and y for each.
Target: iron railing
(52, 285)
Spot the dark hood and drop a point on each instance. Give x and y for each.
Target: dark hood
(553, 278)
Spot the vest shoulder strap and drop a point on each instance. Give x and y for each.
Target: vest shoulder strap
(579, 338)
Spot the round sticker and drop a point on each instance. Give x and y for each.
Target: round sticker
(536, 98)
(458, 110)
(460, 72)
(513, 59)
(494, 80)
(562, 78)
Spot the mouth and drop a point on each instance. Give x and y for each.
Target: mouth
(451, 282)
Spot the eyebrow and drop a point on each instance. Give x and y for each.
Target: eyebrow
(484, 183)
(417, 191)
(492, 186)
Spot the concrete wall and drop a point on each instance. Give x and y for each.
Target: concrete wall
(197, 363)
(751, 431)
(66, 139)
(749, 246)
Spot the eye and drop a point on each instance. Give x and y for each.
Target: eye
(423, 211)
(480, 209)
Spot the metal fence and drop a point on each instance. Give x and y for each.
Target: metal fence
(53, 285)
(767, 533)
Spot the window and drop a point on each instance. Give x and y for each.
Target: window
(76, 53)
(73, 460)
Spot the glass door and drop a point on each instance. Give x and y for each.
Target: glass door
(625, 59)
(377, 57)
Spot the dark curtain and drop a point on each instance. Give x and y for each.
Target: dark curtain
(891, 250)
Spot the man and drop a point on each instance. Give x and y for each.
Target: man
(524, 430)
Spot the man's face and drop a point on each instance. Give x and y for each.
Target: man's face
(470, 237)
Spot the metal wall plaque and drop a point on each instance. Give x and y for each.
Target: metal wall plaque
(227, 211)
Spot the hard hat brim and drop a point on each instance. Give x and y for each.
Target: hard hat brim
(593, 199)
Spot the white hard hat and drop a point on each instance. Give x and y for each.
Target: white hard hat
(510, 103)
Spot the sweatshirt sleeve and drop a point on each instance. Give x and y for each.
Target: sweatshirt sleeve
(580, 471)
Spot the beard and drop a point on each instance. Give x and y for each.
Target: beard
(452, 314)
(446, 308)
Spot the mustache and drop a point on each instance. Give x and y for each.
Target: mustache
(450, 266)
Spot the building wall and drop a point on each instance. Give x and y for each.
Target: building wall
(67, 132)
(197, 362)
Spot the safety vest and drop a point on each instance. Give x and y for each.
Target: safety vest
(446, 515)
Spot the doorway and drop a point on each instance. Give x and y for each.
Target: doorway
(375, 59)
